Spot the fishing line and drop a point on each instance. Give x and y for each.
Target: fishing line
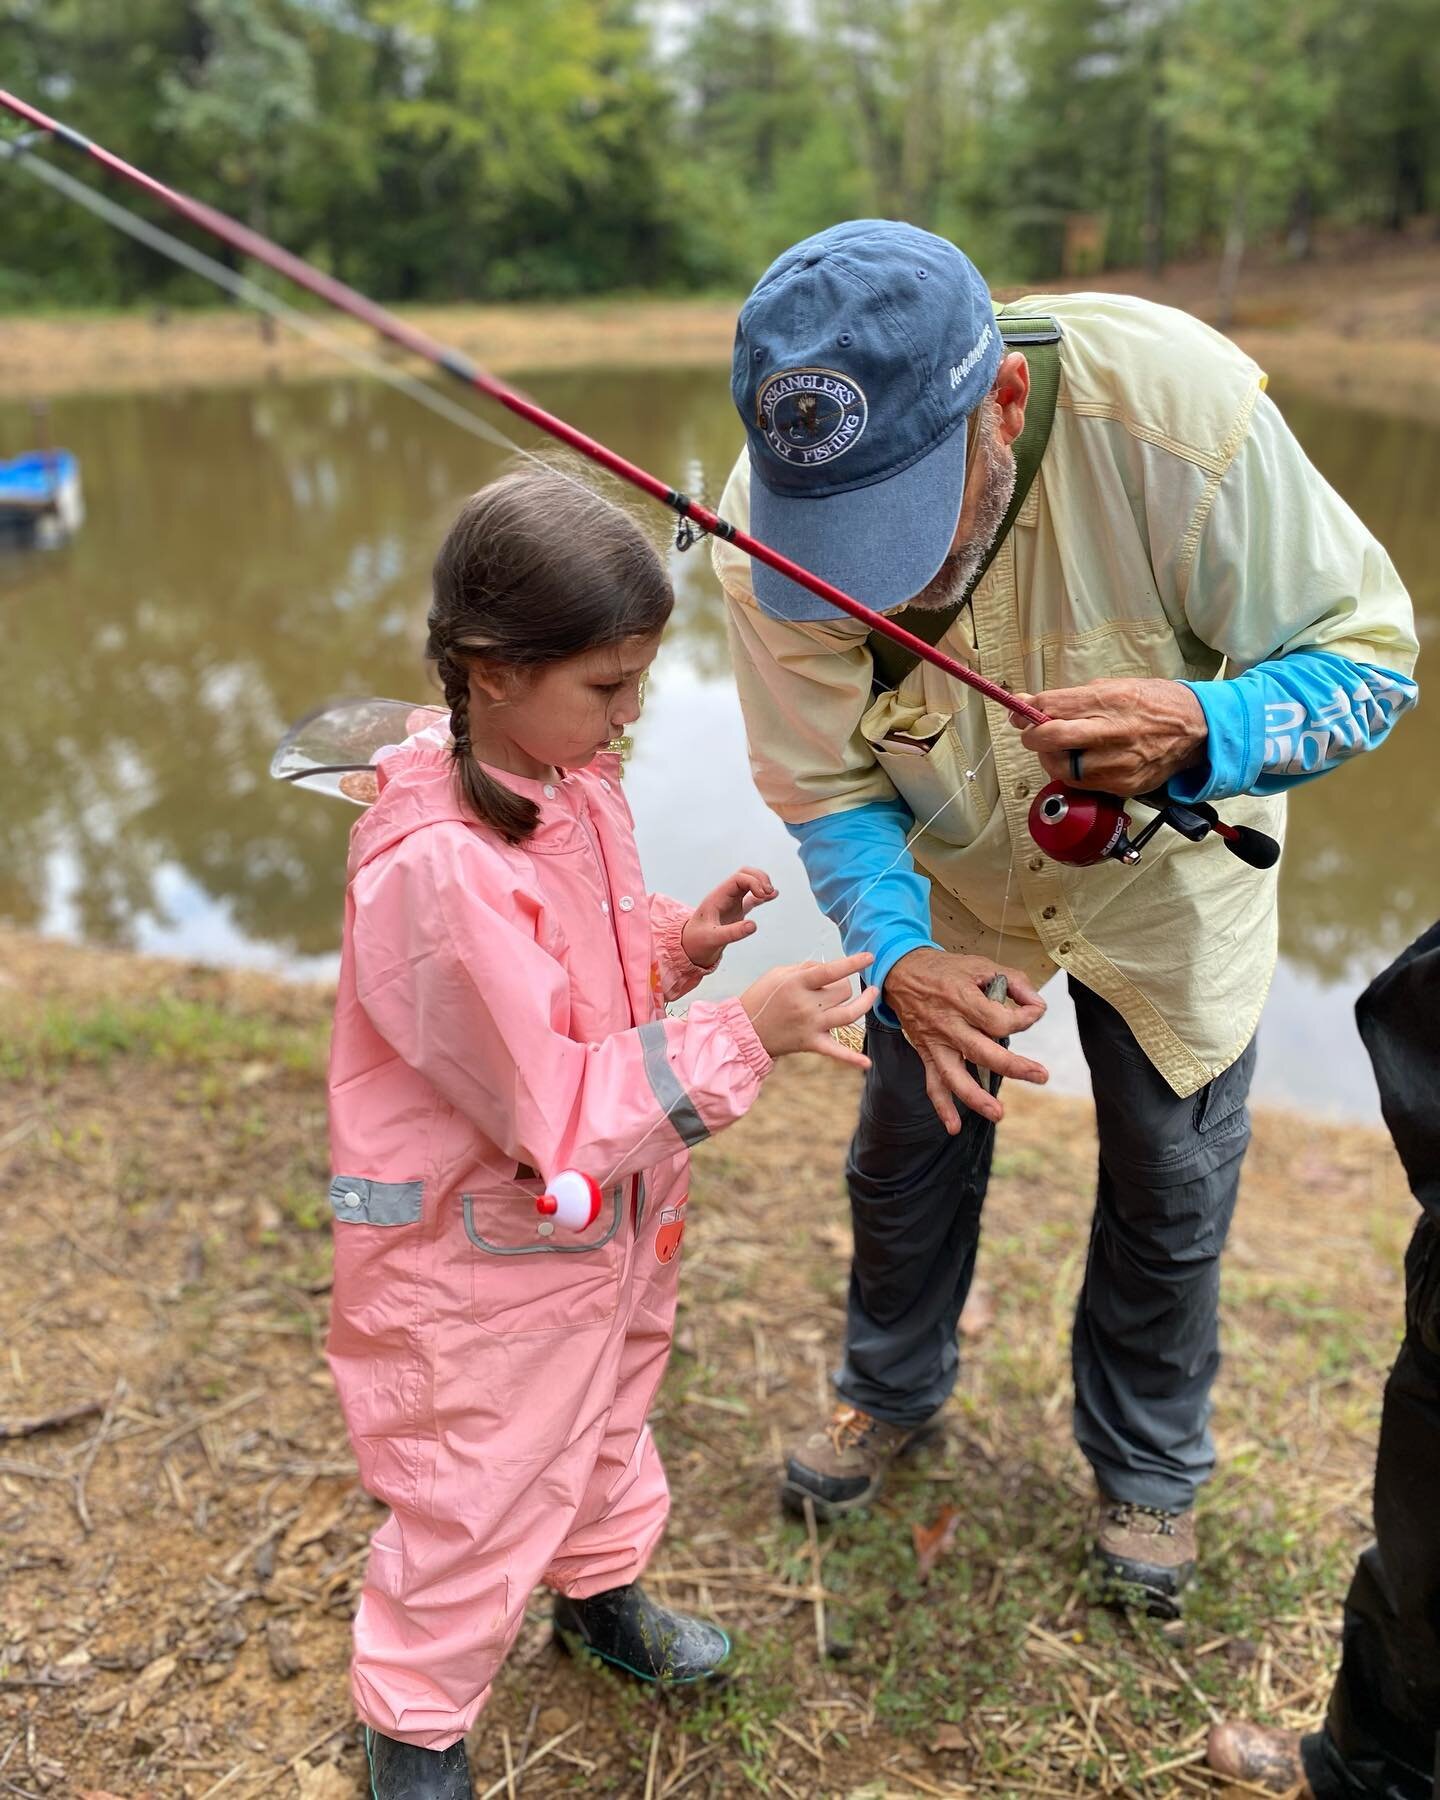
(1250, 846)
(240, 287)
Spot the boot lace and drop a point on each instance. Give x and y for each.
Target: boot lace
(1126, 1513)
(848, 1427)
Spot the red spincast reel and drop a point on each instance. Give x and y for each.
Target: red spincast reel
(1072, 825)
(1081, 827)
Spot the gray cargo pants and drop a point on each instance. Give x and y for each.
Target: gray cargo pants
(1146, 1341)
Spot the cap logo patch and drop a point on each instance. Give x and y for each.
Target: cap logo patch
(810, 416)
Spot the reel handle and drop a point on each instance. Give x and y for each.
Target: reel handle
(1251, 846)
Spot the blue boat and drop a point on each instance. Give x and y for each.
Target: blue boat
(40, 500)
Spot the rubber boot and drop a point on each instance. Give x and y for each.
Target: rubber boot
(626, 1629)
(406, 1772)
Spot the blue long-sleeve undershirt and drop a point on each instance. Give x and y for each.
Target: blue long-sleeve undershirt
(1279, 724)
(1287, 721)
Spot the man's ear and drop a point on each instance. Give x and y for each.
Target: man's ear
(1011, 389)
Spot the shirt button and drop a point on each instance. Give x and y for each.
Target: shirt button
(605, 784)
(351, 1199)
(626, 903)
(1063, 949)
(604, 906)
(548, 791)
(1049, 912)
(1022, 788)
(1036, 864)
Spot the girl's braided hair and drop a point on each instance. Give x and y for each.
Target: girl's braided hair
(538, 567)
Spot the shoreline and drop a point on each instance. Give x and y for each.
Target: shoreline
(1355, 325)
(52, 965)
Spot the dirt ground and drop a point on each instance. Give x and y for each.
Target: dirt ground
(1359, 322)
(180, 1557)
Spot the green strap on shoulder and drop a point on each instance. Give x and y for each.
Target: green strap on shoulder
(1039, 338)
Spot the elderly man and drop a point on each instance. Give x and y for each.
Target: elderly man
(1091, 500)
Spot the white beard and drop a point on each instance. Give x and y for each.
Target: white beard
(960, 567)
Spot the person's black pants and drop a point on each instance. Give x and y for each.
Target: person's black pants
(1381, 1737)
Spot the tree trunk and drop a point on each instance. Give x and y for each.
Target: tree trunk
(1232, 256)
(1153, 230)
(1300, 232)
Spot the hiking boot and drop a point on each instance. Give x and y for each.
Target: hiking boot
(1142, 1556)
(1258, 1753)
(406, 1772)
(843, 1465)
(626, 1629)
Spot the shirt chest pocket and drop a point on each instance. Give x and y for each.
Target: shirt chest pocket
(938, 763)
(530, 1274)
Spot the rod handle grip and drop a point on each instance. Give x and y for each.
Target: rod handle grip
(1253, 847)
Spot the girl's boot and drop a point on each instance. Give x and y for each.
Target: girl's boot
(406, 1772)
(627, 1629)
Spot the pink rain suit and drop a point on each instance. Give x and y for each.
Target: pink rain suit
(500, 1016)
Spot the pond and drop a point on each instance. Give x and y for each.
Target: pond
(250, 553)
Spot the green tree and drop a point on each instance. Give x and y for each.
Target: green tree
(1248, 92)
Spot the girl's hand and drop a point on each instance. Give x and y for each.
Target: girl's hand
(796, 1007)
(722, 918)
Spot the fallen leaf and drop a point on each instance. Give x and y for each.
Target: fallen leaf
(102, 1700)
(932, 1541)
(321, 1513)
(978, 1313)
(149, 1682)
(324, 1782)
(949, 1737)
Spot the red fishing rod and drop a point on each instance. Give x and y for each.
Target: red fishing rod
(1072, 825)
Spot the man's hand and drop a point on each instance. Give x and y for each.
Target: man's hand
(1132, 735)
(941, 1004)
(723, 916)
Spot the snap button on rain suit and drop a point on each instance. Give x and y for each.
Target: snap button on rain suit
(500, 1016)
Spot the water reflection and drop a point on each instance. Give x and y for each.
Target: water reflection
(249, 553)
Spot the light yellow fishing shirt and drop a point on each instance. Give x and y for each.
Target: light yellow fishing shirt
(1174, 528)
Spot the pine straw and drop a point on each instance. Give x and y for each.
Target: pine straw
(185, 1631)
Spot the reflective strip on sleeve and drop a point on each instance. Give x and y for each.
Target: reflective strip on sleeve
(678, 1107)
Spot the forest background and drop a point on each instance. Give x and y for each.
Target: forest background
(489, 150)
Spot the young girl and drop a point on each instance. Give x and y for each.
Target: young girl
(501, 1019)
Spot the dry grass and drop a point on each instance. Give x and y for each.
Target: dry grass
(180, 1561)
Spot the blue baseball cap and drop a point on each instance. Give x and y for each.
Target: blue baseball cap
(859, 356)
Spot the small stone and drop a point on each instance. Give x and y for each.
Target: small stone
(285, 1660)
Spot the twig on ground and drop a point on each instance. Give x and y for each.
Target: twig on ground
(67, 1415)
(497, 1787)
(654, 1760)
(816, 1582)
(92, 1450)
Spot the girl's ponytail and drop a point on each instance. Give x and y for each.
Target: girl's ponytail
(511, 814)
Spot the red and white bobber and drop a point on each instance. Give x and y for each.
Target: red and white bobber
(571, 1199)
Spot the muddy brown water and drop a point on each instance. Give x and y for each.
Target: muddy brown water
(250, 552)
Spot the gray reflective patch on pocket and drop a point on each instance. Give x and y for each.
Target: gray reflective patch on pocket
(545, 1247)
(358, 1201)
